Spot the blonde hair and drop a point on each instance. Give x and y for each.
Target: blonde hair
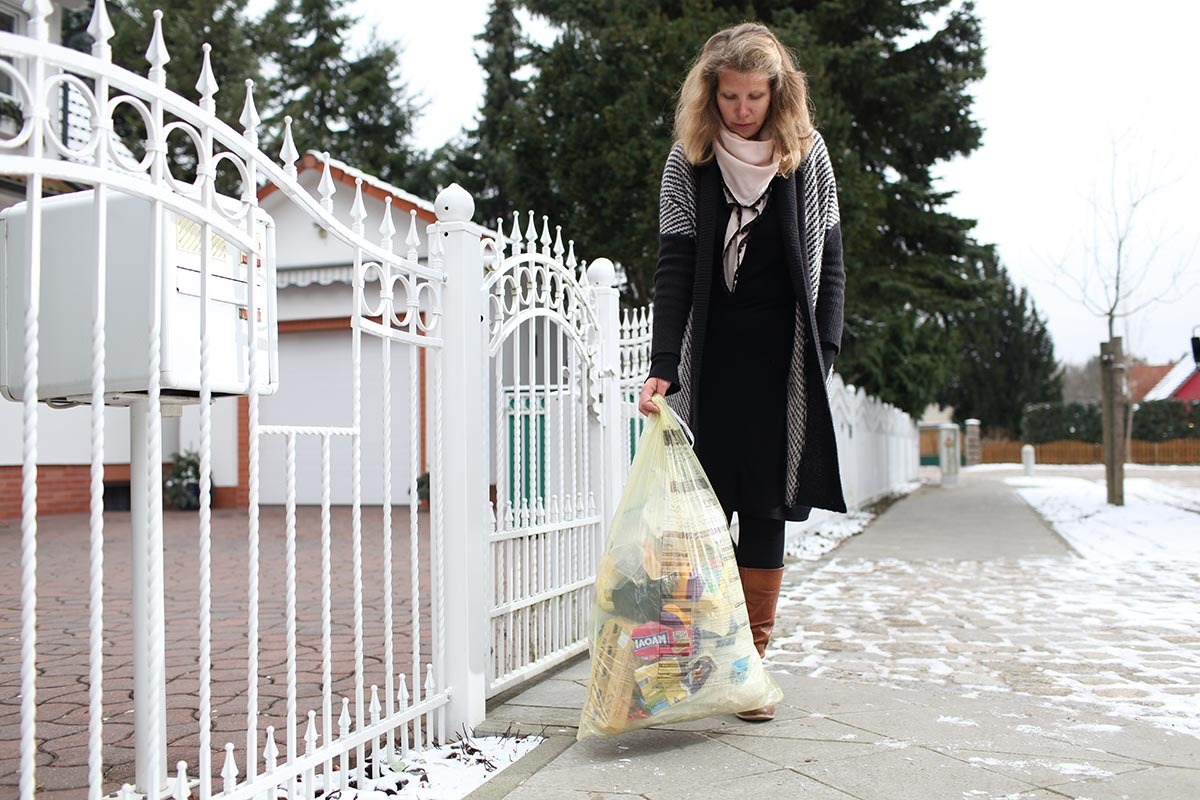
(748, 47)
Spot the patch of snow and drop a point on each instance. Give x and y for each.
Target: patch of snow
(1158, 523)
(1024, 764)
(446, 772)
(966, 723)
(1086, 770)
(894, 744)
(1093, 728)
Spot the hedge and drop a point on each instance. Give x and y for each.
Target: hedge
(1153, 421)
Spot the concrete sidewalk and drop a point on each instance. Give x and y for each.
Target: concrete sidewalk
(924, 659)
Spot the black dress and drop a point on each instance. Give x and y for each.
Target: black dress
(742, 436)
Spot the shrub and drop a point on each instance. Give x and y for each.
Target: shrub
(1049, 422)
(1163, 420)
(181, 486)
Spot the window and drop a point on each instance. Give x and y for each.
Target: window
(11, 21)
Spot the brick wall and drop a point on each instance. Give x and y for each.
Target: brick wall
(62, 488)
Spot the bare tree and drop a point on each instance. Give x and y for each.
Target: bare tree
(1114, 282)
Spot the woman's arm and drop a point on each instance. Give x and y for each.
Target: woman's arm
(832, 294)
(676, 267)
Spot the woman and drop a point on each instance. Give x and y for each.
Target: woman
(748, 299)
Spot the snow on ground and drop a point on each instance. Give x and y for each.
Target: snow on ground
(825, 531)
(446, 772)
(1157, 522)
(1115, 629)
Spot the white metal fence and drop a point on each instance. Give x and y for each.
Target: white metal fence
(352, 647)
(547, 380)
(166, 286)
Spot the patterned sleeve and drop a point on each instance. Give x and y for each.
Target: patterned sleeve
(830, 309)
(822, 175)
(677, 200)
(676, 267)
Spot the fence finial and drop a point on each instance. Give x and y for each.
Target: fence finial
(601, 272)
(571, 261)
(358, 211)
(288, 153)
(38, 10)
(516, 236)
(559, 250)
(101, 30)
(182, 791)
(326, 187)
(454, 204)
(531, 235)
(270, 749)
(310, 733)
(229, 772)
(413, 240)
(545, 234)
(387, 228)
(156, 53)
(207, 84)
(249, 117)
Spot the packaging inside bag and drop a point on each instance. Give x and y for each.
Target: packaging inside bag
(670, 640)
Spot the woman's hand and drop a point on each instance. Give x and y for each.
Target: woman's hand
(651, 387)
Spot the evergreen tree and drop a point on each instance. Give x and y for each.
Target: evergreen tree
(889, 82)
(483, 159)
(1005, 360)
(355, 107)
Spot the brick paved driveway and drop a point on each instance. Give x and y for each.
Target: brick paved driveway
(63, 634)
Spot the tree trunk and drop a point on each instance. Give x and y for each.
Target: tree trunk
(1113, 380)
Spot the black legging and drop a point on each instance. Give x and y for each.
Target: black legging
(760, 542)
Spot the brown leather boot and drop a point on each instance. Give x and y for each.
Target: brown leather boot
(761, 588)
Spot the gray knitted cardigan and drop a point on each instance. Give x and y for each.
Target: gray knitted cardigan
(690, 198)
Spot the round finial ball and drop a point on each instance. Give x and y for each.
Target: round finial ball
(601, 272)
(454, 204)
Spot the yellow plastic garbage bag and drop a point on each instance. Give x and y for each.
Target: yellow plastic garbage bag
(670, 640)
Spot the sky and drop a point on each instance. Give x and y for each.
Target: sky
(1069, 83)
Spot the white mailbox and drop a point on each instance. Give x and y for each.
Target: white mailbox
(68, 292)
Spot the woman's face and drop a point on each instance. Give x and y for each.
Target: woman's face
(744, 99)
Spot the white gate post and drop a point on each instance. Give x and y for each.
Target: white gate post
(608, 451)
(463, 498)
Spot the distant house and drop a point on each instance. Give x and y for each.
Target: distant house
(1181, 383)
(314, 279)
(1144, 377)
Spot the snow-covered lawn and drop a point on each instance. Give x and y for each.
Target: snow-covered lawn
(1157, 523)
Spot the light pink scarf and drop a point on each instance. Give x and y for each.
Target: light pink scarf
(747, 167)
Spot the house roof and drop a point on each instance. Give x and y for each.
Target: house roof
(1144, 377)
(342, 172)
(1173, 380)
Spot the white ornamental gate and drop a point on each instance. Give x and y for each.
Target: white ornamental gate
(552, 382)
(301, 650)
